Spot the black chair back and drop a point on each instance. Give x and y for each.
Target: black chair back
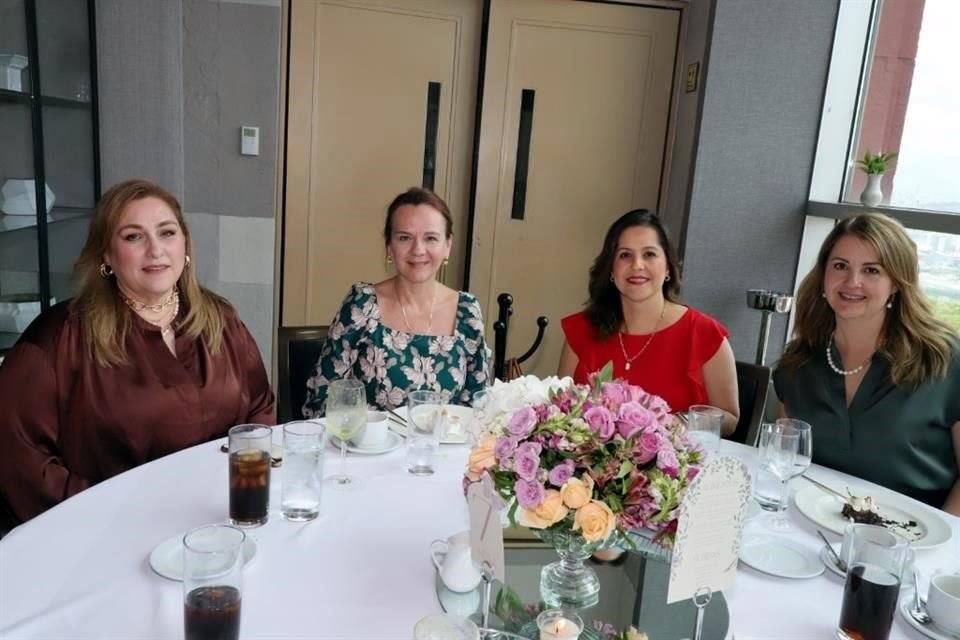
(299, 349)
(753, 381)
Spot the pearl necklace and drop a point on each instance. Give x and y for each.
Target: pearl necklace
(403, 310)
(623, 347)
(838, 370)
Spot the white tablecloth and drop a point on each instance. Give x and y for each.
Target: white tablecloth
(360, 571)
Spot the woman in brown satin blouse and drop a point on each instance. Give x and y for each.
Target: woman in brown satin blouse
(142, 363)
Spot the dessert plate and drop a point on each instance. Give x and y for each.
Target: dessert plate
(394, 440)
(780, 556)
(825, 509)
(166, 559)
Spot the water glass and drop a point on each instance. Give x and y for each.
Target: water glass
(776, 454)
(346, 416)
(424, 425)
(212, 582)
(805, 445)
(873, 583)
(250, 448)
(302, 470)
(704, 425)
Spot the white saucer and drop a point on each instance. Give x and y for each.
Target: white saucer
(929, 630)
(780, 556)
(394, 440)
(166, 559)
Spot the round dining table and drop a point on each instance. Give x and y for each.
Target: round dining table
(361, 570)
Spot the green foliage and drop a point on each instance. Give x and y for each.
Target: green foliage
(947, 310)
(875, 163)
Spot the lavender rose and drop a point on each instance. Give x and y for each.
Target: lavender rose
(522, 422)
(529, 494)
(504, 448)
(601, 421)
(633, 417)
(667, 462)
(526, 461)
(561, 473)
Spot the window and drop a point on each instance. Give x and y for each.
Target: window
(940, 272)
(912, 106)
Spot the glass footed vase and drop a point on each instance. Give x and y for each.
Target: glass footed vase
(569, 583)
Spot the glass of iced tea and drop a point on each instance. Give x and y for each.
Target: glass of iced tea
(250, 448)
(212, 582)
(870, 594)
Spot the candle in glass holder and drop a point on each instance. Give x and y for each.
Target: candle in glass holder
(557, 624)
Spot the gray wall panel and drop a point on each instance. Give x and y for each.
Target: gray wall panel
(141, 105)
(762, 103)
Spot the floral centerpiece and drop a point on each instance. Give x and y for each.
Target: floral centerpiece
(582, 465)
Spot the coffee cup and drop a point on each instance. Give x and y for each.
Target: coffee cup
(943, 601)
(374, 434)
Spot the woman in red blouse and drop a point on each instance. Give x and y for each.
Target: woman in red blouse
(142, 363)
(635, 320)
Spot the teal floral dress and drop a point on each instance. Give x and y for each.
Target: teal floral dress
(391, 362)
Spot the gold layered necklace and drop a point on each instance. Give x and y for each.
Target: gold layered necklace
(172, 300)
(403, 310)
(623, 347)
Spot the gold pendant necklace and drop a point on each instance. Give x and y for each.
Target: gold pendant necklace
(623, 347)
(403, 310)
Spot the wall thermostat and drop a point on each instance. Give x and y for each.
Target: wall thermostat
(250, 141)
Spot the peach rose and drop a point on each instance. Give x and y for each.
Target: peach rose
(595, 521)
(577, 492)
(550, 512)
(481, 457)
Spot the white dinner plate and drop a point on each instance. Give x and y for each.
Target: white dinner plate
(780, 556)
(166, 559)
(825, 509)
(929, 630)
(394, 440)
(455, 431)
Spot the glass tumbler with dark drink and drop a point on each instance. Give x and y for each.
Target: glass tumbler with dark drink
(250, 448)
(212, 582)
(870, 594)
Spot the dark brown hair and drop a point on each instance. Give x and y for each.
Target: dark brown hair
(417, 196)
(918, 345)
(105, 318)
(604, 310)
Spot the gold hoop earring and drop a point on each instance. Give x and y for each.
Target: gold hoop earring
(446, 261)
(187, 261)
(105, 270)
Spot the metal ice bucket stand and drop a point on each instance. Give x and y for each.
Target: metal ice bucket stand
(769, 303)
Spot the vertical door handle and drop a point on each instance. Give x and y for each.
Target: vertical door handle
(523, 154)
(430, 135)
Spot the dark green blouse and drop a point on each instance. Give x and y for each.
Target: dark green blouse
(895, 437)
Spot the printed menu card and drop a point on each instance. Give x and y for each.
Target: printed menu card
(711, 524)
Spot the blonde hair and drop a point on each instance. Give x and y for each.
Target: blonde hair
(918, 345)
(104, 316)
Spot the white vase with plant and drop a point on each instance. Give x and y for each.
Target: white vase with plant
(874, 165)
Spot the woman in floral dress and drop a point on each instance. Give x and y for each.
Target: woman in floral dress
(410, 331)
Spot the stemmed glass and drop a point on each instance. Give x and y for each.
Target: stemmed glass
(777, 455)
(346, 416)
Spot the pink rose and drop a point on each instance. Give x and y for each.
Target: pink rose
(667, 462)
(614, 394)
(601, 421)
(647, 447)
(633, 417)
(522, 422)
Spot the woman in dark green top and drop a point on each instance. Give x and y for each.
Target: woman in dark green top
(871, 369)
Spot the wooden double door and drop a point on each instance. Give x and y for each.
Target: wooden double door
(574, 100)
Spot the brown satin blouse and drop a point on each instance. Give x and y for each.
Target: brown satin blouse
(67, 423)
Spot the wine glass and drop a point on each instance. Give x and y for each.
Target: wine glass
(805, 446)
(775, 467)
(346, 416)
